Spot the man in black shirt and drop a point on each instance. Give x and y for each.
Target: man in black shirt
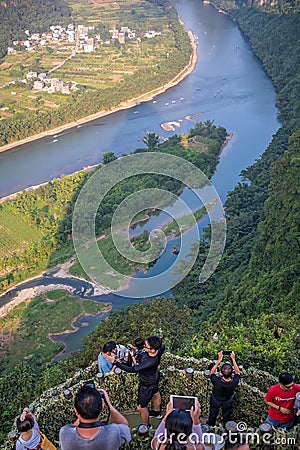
(223, 390)
(148, 377)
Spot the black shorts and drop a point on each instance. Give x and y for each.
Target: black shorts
(145, 393)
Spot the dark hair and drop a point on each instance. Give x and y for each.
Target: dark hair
(154, 342)
(226, 370)
(139, 343)
(26, 424)
(108, 347)
(236, 446)
(178, 422)
(88, 402)
(285, 378)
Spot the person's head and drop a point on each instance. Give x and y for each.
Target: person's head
(179, 426)
(152, 344)
(114, 347)
(226, 370)
(88, 402)
(26, 424)
(139, 343)
(229, 446)
(109, 347)
(286, 380)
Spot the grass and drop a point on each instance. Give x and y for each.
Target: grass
(106, 277)
(178, 226)
(16, 233)
(25, 330)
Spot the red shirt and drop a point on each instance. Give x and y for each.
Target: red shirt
(282, 398)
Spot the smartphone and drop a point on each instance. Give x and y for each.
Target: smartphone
(227, 352)
(183, 402)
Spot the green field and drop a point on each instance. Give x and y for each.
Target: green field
(107, 66)
(16, 233)
(25, 330)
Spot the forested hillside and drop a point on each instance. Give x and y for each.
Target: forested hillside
(35, 16)
(257, 282)
(252, 300)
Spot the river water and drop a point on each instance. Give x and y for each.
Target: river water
(228, 86)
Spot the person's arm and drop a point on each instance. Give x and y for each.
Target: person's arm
(160, 435)
(279, 408)
(144, 364)
(115, 415)
(214, 368)
(235, 366)
(197, 431)
(26, 411)
(133, 358)
(269, 401)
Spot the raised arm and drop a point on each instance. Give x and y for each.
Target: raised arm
(214, 368)
(235, 366)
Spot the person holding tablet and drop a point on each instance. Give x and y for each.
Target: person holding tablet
(180, 430)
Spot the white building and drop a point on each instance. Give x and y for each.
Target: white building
(31, 75)
(38, 85)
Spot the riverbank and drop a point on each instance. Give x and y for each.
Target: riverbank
(52, 335)
(125, 105)
(60, 271)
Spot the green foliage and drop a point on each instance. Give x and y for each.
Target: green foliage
(16, 391)
(151, 140)
(108, 157)
(254, 341)
(34, 225)
(33, 323)
(255, 289)
(36, 16)
(151, 317)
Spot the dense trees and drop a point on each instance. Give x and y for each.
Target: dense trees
(257, 281)
(48, 210)
(35, 16)
(151, 140)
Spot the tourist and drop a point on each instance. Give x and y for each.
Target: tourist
(236, 446)
(178, 430)
(281, 398)
(87, 432)
(222, 395)
(30, 436)
(148, 378)
(138, 351)
(121, 352)
(106, 358)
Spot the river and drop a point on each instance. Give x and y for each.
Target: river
(228, 86)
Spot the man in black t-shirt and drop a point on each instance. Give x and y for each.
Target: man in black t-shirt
(148, 377)
(223, 390)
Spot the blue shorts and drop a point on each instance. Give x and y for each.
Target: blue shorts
(276, 423)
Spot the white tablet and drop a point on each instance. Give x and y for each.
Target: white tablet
(183, 402)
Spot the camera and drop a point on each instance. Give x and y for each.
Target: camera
(226, 352)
